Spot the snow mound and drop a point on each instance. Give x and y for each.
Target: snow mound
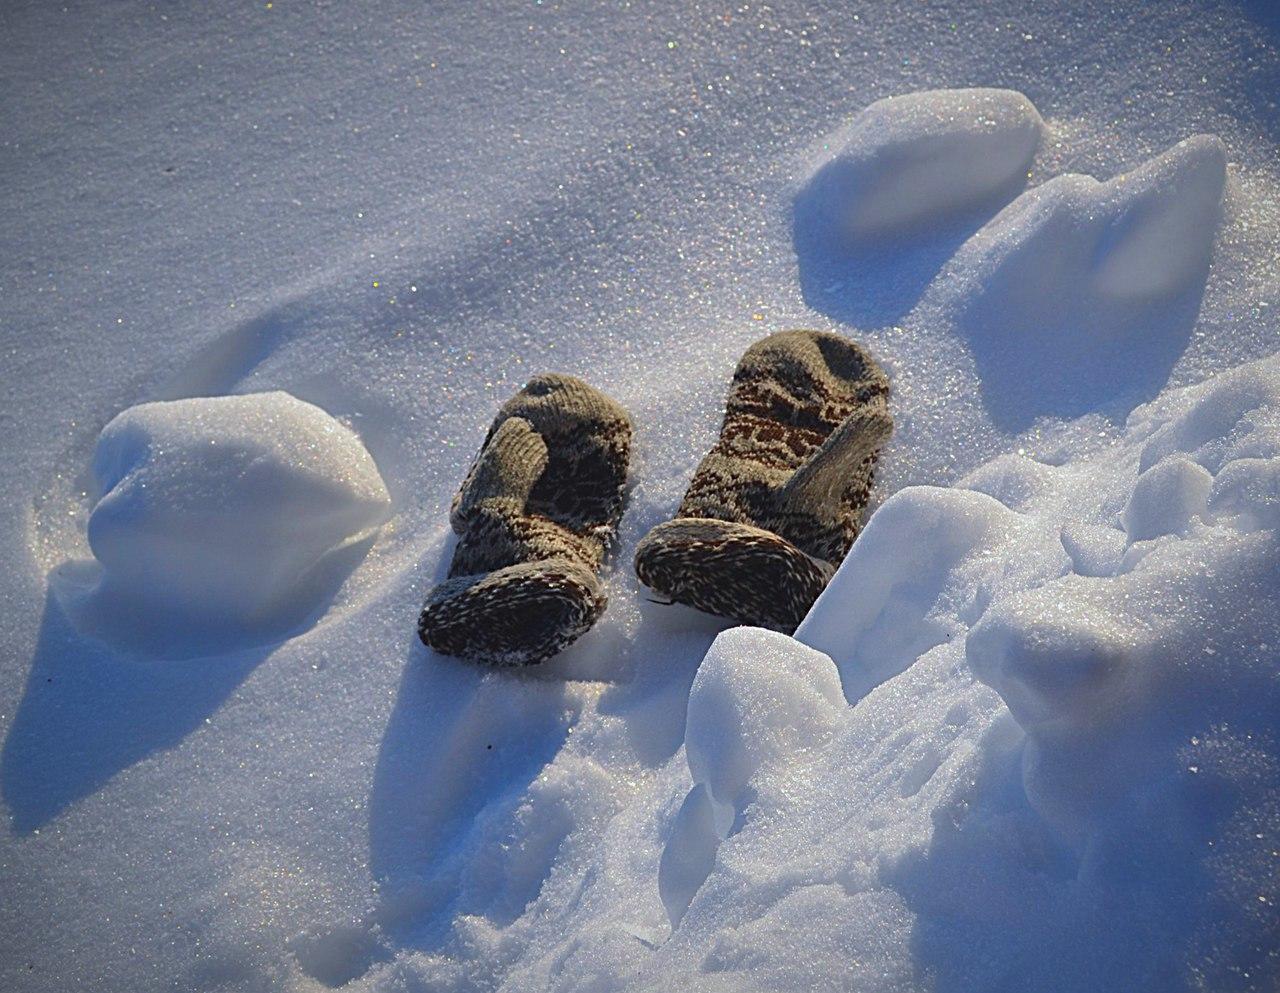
(221, 512)
(919, 159)
(758, 703)
(1166, 497)
(1232, 416)
(1121, 799)
(755, 702)
(1080, 290)
(928, 562)
(1114, 678)
(1149, 695)
(1076, 242)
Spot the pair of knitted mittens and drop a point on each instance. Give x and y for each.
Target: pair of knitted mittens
(534, 517)
(769, 515)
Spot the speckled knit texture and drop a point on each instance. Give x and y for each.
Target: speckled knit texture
(535, 517)
(774, 507)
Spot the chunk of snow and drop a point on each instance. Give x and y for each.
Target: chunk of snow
(1232, 416)
(1056, 666)
(1081, 292)
(218, 511)
(1095, 250)
(919, 159)
(758, 699)
(1014, 480)
(1250, 490)
(1095, 550)
(1166, 497)
(929, 560)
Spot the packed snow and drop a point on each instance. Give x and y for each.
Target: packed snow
(1103, 276)
(220, 515)
(758, 703)
(917, 160)
(272, 270)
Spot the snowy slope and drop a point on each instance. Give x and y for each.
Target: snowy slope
(1032, 744)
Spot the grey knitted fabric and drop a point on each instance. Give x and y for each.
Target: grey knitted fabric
(535, 517)
(773, 508)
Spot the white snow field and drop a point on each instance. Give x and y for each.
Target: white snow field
(270, 269)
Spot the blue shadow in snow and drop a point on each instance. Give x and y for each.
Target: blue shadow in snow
(89, 712)
(998, 905)
(1265, 12)
(990, 877)
(872, 282)
(1076, 367)
(90, 709)
(460, 738)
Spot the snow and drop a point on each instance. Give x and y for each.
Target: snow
(1166, 498)
(219, 515)
(1144, 746)
(926, 546)
(758, 703)
(1102, 277)
(918, 159)
(755, 702)
(1027, 738)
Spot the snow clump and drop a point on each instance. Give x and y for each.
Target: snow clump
(222, 511)
(916, 159)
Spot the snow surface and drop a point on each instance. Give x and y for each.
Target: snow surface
(1026, 741)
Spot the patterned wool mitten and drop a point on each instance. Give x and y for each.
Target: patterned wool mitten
(775, 505)
(534, 516)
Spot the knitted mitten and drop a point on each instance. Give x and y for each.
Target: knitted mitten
(775, 505)
(534, 516)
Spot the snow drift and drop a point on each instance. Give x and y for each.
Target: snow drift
(1079, 286)
(1125, 811)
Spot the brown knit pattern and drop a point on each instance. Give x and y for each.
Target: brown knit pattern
(786, 484)
(535, 517)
